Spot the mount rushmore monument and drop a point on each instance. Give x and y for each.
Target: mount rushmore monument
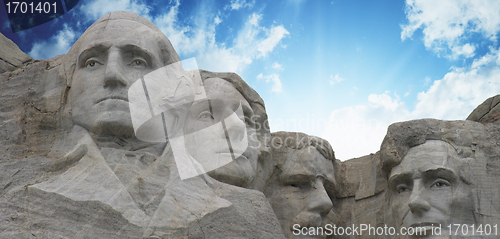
(119, 138)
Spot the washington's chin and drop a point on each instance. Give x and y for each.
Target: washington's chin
(116, 123)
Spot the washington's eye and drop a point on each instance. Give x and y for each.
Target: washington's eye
(205, 116)
(440, 183)
(138, 62)
(91, 63)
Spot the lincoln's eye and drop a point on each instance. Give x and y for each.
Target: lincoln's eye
(440, 183)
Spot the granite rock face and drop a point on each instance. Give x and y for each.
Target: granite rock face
(67, 172)
(303, 180)
(487, 112)
(63, 177)
(11, 57)
(378, 190)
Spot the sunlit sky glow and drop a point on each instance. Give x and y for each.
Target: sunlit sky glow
(341, 70)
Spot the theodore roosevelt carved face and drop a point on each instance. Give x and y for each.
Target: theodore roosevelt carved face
(300, 189)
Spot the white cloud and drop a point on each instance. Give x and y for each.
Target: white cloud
(466, 50)
(217, 20)
(277, 66)
(56, 45)
(251, 42)
(98, 8)
(275, 79)
(237, 4)
(274, 36)
(448, 24)
(335, 79)
(460, 90)
(359, 130)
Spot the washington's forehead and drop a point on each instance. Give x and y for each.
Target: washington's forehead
(123, 24)
(120, 33)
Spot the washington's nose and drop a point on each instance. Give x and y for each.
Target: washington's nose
(417, 203)
(114, 76)
(319, 200)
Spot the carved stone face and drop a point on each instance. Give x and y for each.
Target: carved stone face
(426, 189)
(113, 55)
(298, 194)
(208, 142)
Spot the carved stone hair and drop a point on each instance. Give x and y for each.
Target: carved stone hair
(283, 142)
(463, 136)
(297, 140)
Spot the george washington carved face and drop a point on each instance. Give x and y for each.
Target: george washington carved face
(111, 55)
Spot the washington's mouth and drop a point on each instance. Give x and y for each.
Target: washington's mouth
(113, 98)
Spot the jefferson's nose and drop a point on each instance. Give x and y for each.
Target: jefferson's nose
(114, 76)
(417, 203)
(236, 129)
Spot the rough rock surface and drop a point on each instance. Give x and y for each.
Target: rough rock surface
(487, 112)
(365, 197)
(11, 57)
(46, 178)
(35, 204)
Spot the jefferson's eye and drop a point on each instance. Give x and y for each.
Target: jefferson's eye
(440, 183)
(205, 116)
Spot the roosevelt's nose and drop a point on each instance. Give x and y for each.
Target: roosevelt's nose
(114, 76)
(319, 201)
(418, 203)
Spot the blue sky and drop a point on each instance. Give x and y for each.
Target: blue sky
(341, 70)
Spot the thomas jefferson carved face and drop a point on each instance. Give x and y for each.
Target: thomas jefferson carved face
(112, 56)
(426, 190)
(298, 194)
(212, 144)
